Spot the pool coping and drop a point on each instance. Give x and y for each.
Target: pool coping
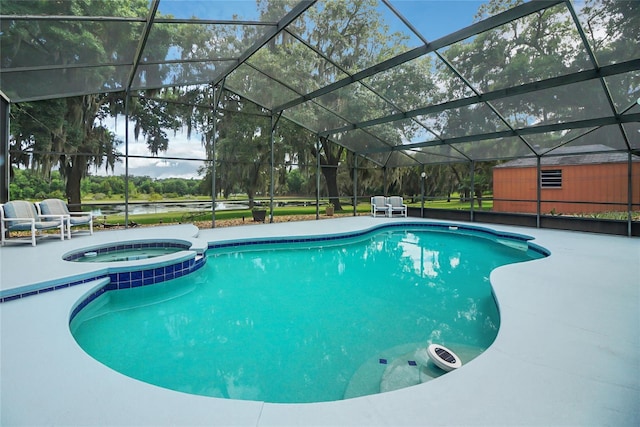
(148, 271)
(568, 302)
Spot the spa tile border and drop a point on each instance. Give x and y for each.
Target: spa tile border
(126, 279)
(123, 247)
(145, 277)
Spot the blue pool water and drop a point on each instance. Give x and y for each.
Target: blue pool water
(304, 322)
(127, 251)
(126, 255)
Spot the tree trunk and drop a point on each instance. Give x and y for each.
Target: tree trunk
(251, 197)
(331, 178)
(75, 172)
(329, 168)
(479, 197)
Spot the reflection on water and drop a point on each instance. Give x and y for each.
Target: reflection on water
(294, 323)
(153, 208)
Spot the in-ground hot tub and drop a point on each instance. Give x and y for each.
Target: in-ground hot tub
(127, 251)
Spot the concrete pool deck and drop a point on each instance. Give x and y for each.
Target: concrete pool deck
(567, 353)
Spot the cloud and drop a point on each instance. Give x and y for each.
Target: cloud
(179, 164)
(165, 164)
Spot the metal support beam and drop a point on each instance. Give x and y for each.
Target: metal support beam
(596, 65)
(355, 185)
(629, 192)
(127, 99)
(213, 172)
(581, 76)
(538, 191)
(472, 171)
(384, 181)
(423, 175)
(132, 73)
(274, 122)
(216, 100)
(318, 145)
(5, 160)
(535, 130)
(142, 43)
(472, 30)
(293, 14)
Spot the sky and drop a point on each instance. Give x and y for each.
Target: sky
(432, 18)
(179, 146)
(437, 18)
(210, 9)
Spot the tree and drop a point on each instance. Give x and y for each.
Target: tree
(244, 151)
(295, 182)
(541, 45)
(330, 155)
(62, 132)
(613, 28)
(69, 132)
(352, 35)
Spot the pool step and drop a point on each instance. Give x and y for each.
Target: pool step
(399, 367)
(406, 371)
(368, 378)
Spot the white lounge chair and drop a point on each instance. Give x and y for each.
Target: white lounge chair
(20, 215)
(55, 207)
(396, 204)
(379, 204)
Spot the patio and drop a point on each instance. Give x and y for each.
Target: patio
(567, 353)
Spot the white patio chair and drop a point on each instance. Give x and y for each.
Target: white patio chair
(379, 204)
(20, 215)
(396, 204)
(55, 207)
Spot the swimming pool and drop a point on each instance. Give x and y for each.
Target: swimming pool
(306, 321)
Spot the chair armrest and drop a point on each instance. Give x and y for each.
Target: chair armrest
(17, 222)
(18, 219)
(81, 214)
(61, 216)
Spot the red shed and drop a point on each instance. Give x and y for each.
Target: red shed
(595, 182)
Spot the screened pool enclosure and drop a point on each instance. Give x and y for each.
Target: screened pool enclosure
(417, 86)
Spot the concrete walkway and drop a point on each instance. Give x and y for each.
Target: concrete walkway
(567, 353)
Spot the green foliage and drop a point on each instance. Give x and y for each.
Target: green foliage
(69, 134)
(28, 185)
(295, 182)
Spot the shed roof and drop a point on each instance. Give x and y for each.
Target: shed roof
(584, 155)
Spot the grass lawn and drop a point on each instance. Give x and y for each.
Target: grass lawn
(291, 209)
(279, 211)
(188, 217)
